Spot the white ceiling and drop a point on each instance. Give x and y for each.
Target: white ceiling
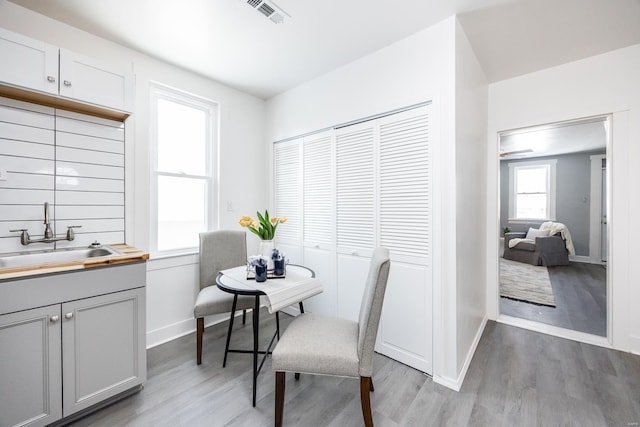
(230, 42)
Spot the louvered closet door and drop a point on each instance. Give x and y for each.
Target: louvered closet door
(287, 191)
(355, 212)
(319, 218)
(405, 213)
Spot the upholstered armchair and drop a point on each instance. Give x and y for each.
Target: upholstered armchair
(543, 250)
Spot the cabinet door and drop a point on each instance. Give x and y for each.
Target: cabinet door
(28, 63)
(89, 80)
(319, 219)
(30, 367)
(103, 347)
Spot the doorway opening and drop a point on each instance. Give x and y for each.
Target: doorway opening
(553, 220)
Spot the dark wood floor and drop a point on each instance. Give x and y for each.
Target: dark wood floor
(580, 291)
(517, 378)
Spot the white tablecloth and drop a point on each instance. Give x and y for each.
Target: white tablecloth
(280, 293)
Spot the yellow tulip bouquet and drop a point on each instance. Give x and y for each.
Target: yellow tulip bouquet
(265, 227)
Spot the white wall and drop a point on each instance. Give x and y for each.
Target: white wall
(602, 84)
(471, 129)
(416, 69)
(172, 284)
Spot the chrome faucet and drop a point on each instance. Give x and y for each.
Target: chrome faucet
(48, 233)
(49, 237)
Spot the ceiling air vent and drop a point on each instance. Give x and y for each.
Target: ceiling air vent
(270, 10)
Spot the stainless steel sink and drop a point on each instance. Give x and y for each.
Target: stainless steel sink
(23, 259)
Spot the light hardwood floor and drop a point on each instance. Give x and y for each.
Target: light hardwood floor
(517, 378)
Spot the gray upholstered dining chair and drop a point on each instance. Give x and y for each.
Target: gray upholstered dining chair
(323, 345)
(219, 250)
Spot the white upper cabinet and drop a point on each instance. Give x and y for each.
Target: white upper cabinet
(28, 63)
(93, 81)
(36, 66)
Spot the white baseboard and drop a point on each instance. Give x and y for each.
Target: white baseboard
(584, 259)
(179, 329)
(170, 332)
(456, 384)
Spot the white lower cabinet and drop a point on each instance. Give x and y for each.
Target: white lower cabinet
(30, 367)
(59, 359)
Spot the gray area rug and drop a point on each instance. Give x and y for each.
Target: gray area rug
(525, 282)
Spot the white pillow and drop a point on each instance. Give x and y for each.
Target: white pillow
(534, 232)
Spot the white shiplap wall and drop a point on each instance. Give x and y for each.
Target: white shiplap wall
(73, 161)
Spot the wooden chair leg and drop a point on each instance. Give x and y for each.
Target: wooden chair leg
(280, 380)
(365, 401)
(199, 332)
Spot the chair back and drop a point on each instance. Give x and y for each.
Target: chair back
(220, 250)
(371, 308)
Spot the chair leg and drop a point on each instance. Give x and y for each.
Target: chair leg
(301, 307)
(199, 332)
(280, 379)
(278, 324)
(233, 312)
(365, 386)
(371, 385)
(296, 375)
(244, 316)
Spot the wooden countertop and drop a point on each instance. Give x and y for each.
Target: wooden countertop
(128, 254)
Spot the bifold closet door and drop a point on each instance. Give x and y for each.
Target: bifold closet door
(318, 207)
(405, 217)
(356, 225)
(288, 193)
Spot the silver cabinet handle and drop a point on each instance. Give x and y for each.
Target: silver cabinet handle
(67, 83)
(51, 79)
(68, 315)
(54, 319)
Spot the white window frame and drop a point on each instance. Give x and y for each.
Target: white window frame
(550, 166)
(158, 92)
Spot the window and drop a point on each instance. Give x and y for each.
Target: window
(183, 131)
(532, 190)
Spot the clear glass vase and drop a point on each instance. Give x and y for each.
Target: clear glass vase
(266, 249)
